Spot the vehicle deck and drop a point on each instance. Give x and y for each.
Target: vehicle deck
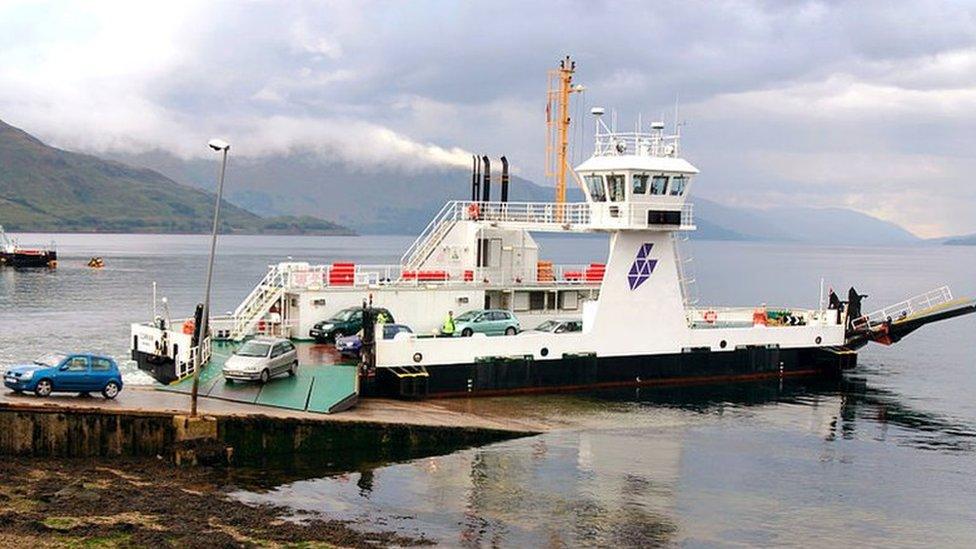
(323, 383)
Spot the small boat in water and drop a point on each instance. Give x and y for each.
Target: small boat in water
(14, 255)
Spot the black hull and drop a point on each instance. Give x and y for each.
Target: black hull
(162, 369)
(29, 260)
(500, 376)
(574, 373)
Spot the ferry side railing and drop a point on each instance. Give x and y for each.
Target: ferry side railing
(533, 213)
(723, 317)
(904, 309)
(185, 368)
(317, 276)
(635, 143)
(540, 214)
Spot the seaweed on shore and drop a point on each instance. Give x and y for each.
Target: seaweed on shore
(150, 503)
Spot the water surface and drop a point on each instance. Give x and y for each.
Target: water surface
(886, 456)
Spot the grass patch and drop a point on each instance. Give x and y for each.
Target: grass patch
(96, 542)
(65, 523)
(62, 524)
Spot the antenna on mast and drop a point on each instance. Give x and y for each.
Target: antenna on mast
(676, 114)
(557, 124)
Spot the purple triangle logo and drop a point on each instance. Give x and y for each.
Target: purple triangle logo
(642, 267)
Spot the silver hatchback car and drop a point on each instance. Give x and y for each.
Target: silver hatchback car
(260, 359)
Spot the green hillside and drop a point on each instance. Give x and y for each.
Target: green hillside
(45, 189)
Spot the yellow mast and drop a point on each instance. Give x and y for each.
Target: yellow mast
(560, 86)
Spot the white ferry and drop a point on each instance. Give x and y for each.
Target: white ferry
(640, 325)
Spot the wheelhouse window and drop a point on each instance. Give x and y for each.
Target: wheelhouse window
(616, 186)
(659, 184)
(639, 183)
(678, 183)
(595, 185)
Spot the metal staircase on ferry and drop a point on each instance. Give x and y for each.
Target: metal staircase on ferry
(686, 277)
(258, 303)
(430, 238)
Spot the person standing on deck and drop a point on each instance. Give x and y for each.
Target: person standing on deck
(835, 303)
(447, 330)
(854, 304)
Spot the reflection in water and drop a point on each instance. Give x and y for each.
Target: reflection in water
(670, 453)
(917, 428)
(882, 458)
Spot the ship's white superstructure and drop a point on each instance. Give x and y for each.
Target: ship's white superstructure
(636, 189)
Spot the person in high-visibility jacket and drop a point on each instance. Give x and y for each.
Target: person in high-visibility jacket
(447, 330)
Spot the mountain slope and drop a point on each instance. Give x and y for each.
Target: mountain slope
(963, 240)
(43, 188)
(377, 201)
(371, 201)
(808, 225)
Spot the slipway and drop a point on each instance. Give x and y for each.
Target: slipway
(323, 388)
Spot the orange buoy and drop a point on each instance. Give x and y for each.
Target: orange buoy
(711, 317)
(474, 211)
(188, 327)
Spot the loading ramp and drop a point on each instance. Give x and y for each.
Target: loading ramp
(891, 324)
(321, 388)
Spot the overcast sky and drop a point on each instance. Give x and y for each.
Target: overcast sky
(864, 105)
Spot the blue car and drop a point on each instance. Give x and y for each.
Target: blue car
(59, 372)
(351, 345)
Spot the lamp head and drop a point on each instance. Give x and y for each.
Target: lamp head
(219, 145)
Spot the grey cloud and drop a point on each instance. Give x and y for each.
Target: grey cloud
(780, 81)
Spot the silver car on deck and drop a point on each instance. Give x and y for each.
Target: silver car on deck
(260, 359)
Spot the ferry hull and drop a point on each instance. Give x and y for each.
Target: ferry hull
(501, 376)
(161, 368)
(47, 258)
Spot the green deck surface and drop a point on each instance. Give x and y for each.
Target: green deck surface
(333, 385)
(290, 392)
(321, 388)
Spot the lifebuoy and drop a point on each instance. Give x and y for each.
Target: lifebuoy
(474, 211)
(711, 317)
(188, 327)
(759, 317)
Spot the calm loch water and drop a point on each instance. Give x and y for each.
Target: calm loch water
(884, 457)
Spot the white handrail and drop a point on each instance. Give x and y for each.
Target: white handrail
(904, 309)
(272, 277)
(448, 209)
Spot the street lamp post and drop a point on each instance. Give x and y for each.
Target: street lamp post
(221, 146)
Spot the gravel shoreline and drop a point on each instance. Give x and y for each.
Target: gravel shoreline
(150, 503)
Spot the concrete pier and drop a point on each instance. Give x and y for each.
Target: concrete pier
(145, 422)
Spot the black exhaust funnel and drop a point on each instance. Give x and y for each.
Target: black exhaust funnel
(486, 189)
(504, 179)
(475, 184)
